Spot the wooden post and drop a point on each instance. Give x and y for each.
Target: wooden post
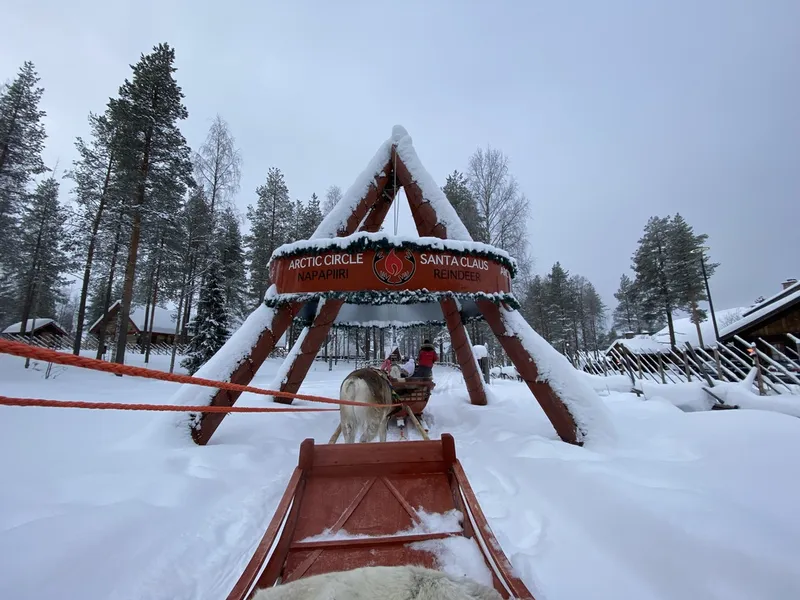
(316, 336)
(718, 362)
(466, 359)
(759, 375)
(244, 373)
(558, 413)
(661, 369)
(686, 368)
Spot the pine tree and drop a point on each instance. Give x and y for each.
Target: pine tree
(93, 174)
(651, 263)
(210, 325)
(152, 153)
(232, 265)
(457, 191)
(41, 258)
(312, 217)
(270, 227)
(626, 314)
(558, 306)
(22, 138)
(686, 252)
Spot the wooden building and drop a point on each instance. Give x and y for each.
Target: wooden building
(773, 320)
(37, 328)
(163, 326)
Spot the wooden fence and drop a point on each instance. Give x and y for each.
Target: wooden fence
(777, 370)
(90, 342)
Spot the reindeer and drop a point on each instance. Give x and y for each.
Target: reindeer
(370, 386)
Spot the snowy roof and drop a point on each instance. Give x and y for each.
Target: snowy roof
(164, 319)
(336, 219)
(686, 331)
(37, 322)
(641, 344)
(764, 310)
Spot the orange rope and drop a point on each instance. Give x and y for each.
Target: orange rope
(6, 401)
(63, 358)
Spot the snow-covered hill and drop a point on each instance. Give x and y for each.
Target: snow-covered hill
(112, 505)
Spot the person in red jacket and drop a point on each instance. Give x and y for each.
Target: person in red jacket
(427, 356)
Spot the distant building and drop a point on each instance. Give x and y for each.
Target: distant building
(163, 326)
(38, 328)
(772, 320)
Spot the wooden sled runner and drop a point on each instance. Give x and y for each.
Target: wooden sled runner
(370, 490)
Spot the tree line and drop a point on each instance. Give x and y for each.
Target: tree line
(146, 221)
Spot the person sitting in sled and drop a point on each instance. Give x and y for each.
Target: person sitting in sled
(427, 356)
(407, 368)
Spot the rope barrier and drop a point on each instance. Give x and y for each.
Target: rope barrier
(7, 401)
(62, 358)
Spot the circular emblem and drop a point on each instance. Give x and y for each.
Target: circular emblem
(394, 267)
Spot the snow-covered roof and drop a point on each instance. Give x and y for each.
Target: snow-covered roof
(641, 344)
(32, 324)
(764, 310)
(164, 319)
(686, 331)
(337, 217)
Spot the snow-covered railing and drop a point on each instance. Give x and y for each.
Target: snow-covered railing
(777, 366)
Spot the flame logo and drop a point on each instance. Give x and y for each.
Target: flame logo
(395, 267)
(393, 263)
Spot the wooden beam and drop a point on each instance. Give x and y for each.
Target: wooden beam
(425, 217)
(464, 354)
(558, 413)
(244, 373)
(309, 347)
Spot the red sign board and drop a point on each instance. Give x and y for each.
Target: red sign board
(391, 270)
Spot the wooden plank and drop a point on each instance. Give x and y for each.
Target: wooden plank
(304, 566)
(246, 580)
(514, 584)
(368, 454)
(403, 502)
(372, 541)
(377, 469)
(416, 422)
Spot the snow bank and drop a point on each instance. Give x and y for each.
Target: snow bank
(593, 421)
(480, 351)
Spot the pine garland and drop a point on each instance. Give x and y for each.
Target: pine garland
(391, 297)
(363, 243)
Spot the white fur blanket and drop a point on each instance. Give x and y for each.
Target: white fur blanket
(381, 583)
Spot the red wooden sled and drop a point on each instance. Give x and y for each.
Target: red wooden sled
(414, 393)
(369, 489)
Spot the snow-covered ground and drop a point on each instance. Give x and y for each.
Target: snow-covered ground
(111, 505)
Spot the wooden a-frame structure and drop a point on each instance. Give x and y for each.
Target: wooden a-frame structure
(367, 216)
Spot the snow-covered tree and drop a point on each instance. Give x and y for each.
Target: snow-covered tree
(312, 217)
(153, 155)
(332, 197)
(270, 226)
(232, 265)
(502, 209)
(668, 270)
(210, 325)
(41, 257)
(457, 191)
(22, 138)
(93, 173)
(218, 166)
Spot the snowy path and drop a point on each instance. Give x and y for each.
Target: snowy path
(117, 505)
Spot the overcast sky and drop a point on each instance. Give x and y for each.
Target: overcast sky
(610, 111)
